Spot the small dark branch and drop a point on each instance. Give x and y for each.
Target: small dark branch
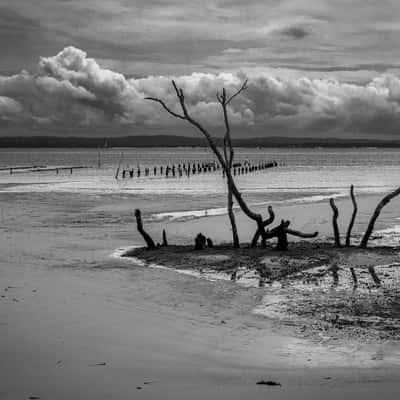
(271, 217)
(353, 216)
(301, 234)
(334, 222)
(166, 108)
(243, 87)
(378, 209)
(147, 238)
(375, 277)
(164, 238)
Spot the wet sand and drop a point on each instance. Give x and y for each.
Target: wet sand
(78, 323)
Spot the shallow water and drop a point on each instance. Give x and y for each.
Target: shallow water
(306, 175)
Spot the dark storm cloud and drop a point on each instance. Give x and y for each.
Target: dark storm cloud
(146, 36)
(71, 90)
(311, 65)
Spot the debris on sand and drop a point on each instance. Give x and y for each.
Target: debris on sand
(268, 383)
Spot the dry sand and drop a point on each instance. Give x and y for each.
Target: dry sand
(77, 323)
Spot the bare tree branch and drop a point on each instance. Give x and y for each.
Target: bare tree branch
(243, 87)
(165, 107)
(301, 234)
(375, 215)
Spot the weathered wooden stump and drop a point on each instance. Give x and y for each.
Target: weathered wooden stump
(199, 242)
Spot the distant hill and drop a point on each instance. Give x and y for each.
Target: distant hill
(183, 141)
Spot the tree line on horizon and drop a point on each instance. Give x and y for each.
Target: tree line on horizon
(185, 141)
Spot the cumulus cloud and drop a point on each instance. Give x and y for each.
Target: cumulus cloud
(71, 89)
(9, 108)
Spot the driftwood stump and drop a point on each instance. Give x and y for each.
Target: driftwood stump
(199, 242)
(375, 215)
(334, 222)
(260, 232)
(147, 238)
(164, 238)
(353, 216)
(281, 231)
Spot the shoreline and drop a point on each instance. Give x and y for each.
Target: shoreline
(309, 286)
(76, 306)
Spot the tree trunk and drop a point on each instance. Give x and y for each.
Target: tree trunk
(223, 162)
(378, 209)
(334, 222)
(147, 238)
(353, 216)
(236, 243)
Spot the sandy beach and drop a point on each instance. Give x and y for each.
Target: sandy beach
(78, 322)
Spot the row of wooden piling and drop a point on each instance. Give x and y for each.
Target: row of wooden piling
(41, 168)
(195, 168)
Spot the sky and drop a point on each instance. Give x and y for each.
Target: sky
(323, 68)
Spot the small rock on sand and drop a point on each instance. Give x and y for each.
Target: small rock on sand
(268, 383)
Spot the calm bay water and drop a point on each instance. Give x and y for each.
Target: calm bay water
(306, 172)
(303, 176)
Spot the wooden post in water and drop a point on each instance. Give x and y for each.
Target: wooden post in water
(119, 165)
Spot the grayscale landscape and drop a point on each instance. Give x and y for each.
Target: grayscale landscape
(199, 200)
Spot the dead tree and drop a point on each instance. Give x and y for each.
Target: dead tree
(267, 222)
(222, 99)
(334, 222)
(147, 238)
(375, 215)
(281, 231)
(185, 116)
(353, 216)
